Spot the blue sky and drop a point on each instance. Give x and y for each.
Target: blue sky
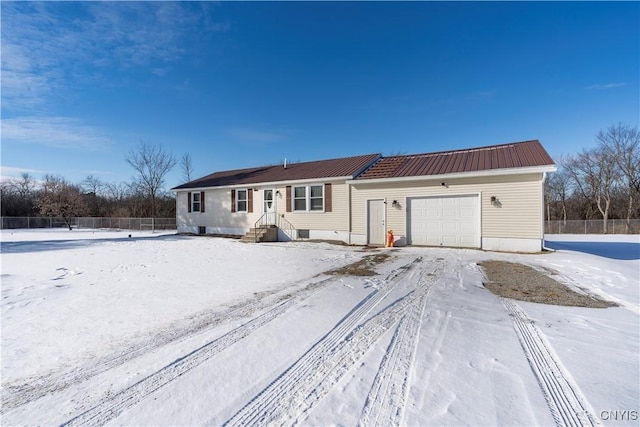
(239, 84)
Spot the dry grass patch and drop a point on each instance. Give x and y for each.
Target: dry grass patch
(521, 282)
(363, 267)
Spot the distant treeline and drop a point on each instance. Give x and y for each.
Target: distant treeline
(599, 183)
(54, 196)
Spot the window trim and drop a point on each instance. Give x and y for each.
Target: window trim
(307, 198)
(245, 200)
(195, 202)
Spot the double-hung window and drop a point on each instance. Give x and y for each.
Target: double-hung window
(195, 201)
(299, 198)
(241, 201)
(316, 198)
(308, 198)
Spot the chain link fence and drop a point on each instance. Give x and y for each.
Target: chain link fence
(90, 222)
(614, 226)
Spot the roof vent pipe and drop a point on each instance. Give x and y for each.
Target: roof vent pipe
(285, 162)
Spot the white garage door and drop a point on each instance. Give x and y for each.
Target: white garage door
(444, 221)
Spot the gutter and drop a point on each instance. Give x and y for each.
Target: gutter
(267, 184)
(483, 173)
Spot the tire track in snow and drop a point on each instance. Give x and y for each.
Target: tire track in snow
(15, 395)
(566, 402)
(386, 400)
(288, 399)
(111, 407)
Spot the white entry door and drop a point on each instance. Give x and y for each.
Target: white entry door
(269, 205)
(444, 221)
(375, 222)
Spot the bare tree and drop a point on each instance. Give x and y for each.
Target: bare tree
(595, 174)
(116, 192)
(187, 167)
(17, 197)
(92, 184)
(152, 165)
(59, 198)
(24, 186)
(622, 143)
(557, 193)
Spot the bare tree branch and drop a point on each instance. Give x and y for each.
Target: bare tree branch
(152, 165)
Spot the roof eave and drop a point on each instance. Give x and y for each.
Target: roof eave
(268, 184)
(473, 174)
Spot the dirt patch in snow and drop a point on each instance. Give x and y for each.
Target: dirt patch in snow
(524, 283)
(364, 267)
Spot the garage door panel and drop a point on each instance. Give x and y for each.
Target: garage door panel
(448, 213)
(433, 227)
(466, 213)
(449, 227)
(444, 221)
(467, 228)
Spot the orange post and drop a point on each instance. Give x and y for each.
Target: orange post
(389, 239)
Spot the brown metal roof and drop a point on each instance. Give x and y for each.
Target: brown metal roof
(347, 167)
(513, 155)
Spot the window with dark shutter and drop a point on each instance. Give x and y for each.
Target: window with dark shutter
(202, 201)
(242, 201)
(288, 195)
(249, 200)
(189, 201)
(195, 202)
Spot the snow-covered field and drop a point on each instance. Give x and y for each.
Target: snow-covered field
(160, 329)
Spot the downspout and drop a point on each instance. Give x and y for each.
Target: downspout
(350, 214)
(544, 178)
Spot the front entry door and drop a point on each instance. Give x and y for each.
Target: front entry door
(375, 222)
(269, 206)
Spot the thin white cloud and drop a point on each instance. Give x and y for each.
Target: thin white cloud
(59, 132)
(605, 86)
(10, 173)
(50, 47)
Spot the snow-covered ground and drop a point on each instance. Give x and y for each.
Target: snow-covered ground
(160, 329)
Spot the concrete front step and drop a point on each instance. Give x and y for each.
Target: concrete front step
(265, 234)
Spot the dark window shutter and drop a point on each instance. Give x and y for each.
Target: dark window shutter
(189, 201)
(249, 200)
(202, 202)
(233, 200)
(327, 197)
(288, 191)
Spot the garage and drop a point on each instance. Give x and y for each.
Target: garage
(444, 221)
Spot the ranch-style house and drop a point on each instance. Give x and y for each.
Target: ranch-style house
(486, 197)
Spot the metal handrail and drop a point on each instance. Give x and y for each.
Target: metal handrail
(256, 226)
(290, 228)
(264, 220)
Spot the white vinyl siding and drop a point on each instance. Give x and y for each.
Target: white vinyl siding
(309, 219)
(518, 214)
(220, 218)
